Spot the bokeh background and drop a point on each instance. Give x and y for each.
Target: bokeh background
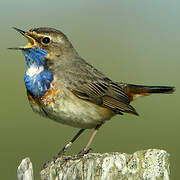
(132, 41)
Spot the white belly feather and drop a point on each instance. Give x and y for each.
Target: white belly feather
(71, 110)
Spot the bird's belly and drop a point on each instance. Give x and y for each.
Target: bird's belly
(78, 113)
(68, 109)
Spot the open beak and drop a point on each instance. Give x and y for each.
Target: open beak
(31, 41)
(20, 31)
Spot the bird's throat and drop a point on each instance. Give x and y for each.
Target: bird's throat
(37, 78)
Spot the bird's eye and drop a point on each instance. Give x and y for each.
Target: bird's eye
(46, 40)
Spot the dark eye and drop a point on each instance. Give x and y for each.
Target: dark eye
(46, 40)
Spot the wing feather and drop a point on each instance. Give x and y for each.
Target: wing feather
(90, 84)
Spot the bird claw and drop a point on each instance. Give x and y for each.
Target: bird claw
(84, 151)
(79, 155)
(62, 152)
(45, 165)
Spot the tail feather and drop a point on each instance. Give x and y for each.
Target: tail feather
(134, 91)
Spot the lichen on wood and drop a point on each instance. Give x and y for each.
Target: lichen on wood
(148, 164)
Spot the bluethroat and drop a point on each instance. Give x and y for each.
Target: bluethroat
(62, 86)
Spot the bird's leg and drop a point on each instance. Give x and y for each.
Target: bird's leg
(87, 149)
(64, 149)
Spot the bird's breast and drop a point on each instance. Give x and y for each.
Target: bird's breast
(61, 105)
(48, 98)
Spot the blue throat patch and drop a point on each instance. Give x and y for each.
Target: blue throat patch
(36, 77)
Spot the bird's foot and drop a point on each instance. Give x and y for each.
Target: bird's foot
(79, 155)
(60, 154)
(84, 151)
(45, 165)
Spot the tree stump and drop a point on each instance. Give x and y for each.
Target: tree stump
(148, 164)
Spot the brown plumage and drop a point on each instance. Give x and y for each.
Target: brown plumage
(79, 95)
(134, 91)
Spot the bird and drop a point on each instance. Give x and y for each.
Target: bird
(63, 87)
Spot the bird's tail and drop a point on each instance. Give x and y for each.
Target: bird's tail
(134, 91)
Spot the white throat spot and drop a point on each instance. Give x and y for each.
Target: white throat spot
(34, 70)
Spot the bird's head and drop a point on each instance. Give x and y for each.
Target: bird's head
(53, 41)
(47, 48)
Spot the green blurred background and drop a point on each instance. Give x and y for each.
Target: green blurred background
(134, 41)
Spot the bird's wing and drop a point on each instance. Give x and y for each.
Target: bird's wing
(88, 83)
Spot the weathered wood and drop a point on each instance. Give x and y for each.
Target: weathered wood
(149, 164)
(25, 170)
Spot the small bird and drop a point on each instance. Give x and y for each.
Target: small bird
(62, 86)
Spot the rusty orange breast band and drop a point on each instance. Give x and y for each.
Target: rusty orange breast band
(47, 99)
